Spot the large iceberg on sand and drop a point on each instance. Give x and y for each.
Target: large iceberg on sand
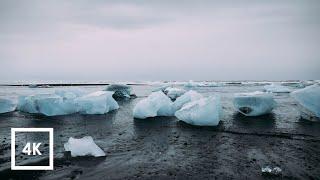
(174, 93)
(64, 102)
(120, 91)
(55, 105)
(309, 99)
(185, 98)
(30, 104)
(202, 112)
(156, 104)
(61, 102)
(254, 104)
(83, 147)
(7, 105)
(99, 102)
(276, 88)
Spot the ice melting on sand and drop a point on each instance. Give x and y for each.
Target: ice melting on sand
(156, 104)
(202, 112)
(174, 93)
(83, 147)
(309, 99)
(7, 105)
(276, 88)
(186, 98)
(254, 104)
(276, 171)
(99, 102)
(120, 90)
(55, 105)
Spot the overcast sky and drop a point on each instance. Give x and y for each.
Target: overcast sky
(159, 40)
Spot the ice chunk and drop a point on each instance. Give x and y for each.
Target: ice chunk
(47, 104)
(276, 171)
(254, 104)
(69, 93)
(161, 88)
(83, 147)
(30, 104)
(174, 93)
(185, 98)
(156, 104)
(7, 104)
(276, 88)
(309, 99)
(55, 105)
(120, 90)
(99, 102)
(202, 112)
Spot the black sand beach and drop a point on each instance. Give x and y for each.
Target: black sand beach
(165, 148)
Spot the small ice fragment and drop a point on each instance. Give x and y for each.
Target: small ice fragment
(120, 91)
(309, 100)
(7, 104)
(254, 104)
(174, 93)
(83, 147)
(276, 171)
(156, 104)
(276, 88)
(99, 102)
(202, 112)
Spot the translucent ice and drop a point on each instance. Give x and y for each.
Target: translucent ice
(7, 104)
(99, 102)
(254, 104)
(276, 88)
(69, 93)
(309, 99)
(56, 105)
(156, 104)
(120, 90)
(83, 147)
(186, 98)
(202, 112)
(30, 104)
(174, 93)
(271, 171)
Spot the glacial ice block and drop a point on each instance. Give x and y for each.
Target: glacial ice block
(30, 104)
(46, 104)
(99, 102)
(120, 90)
(186, 98)
(254, 104)
(156, 104)
(70, 93)
(7, 105)
(202, 112)
(56, 105)
(276, 88)
(309, 99)
(174, 93)
(83, 147)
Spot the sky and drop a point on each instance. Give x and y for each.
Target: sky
(159, 40)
